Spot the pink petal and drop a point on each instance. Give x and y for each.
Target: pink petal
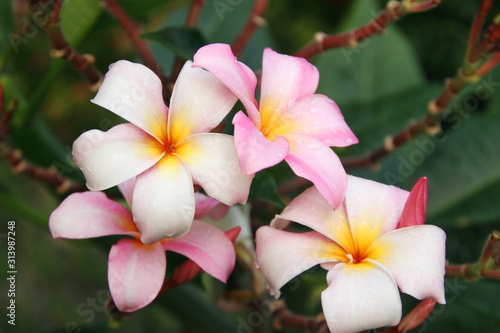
(199, 103)
(89, 215)
(203, 205)
(285, 80)
(416, 205)
(312, 210)
(282, 255)
(135, 273)
(319, 117)
(360, 297)
(373, 208)
(255, 151)
(208, 247)
(110, 158)
(213, 163)
(163, 201)
(315, 161)
(134, 92)
(415, 256)
(127, 189)
(219, 60)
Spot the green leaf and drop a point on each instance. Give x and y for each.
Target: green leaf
(264, 188)
(77, 17)
(6, 30)
(183, 41)
(469, 307)
(373, 121)
(196, 311)
(379, 66)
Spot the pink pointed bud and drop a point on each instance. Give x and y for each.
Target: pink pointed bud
(417, 316)
(189, 269)
(416, 205)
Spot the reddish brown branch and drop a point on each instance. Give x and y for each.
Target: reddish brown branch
(476, 29)
(194, 12)
(255, 21)
(133, 32)
(481, 268)
(284, 318)
(49, 176)
(60, 46)
(394, 11)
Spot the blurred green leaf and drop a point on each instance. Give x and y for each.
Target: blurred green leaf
(379, 66)
(470, 307)
(373, 121)
(264, 188)
(183, 41)
(6, 29)
(196, 311)
(77, 17)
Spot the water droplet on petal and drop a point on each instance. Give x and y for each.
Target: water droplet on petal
(313, 110)
(348, 141)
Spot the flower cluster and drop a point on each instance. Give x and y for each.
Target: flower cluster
(368, 236)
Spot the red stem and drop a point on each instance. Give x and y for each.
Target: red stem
(394, 11)
(255, 21)
(489, 246)
(194, 12)
(476, 29)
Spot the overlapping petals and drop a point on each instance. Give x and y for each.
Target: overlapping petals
(289, 120)
(367, 255)
(165, 150)
(136, 271)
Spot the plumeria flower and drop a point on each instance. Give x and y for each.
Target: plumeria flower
(372, 245)
(291, 124)
(168, 150)
(136, 271)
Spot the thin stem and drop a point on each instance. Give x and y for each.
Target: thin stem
(256, 20)
(464, 271)
(49, 176)
(285, 318)
(488, 65)
(133, 32)
(489, 246)
(62, 49)
(394, 11)
(194, 12)
(491, 274)
(476, 28)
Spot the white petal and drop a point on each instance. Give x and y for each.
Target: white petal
(110, 158)
(282, 255)
(199, 103)
(415, 256)
(360, 297)
(163, 201)
(372, 208)
(213, 163)
(134, 92)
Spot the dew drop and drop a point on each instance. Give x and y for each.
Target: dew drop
(313, 110)
(348, 141)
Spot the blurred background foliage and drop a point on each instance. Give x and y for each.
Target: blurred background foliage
(380, 86)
